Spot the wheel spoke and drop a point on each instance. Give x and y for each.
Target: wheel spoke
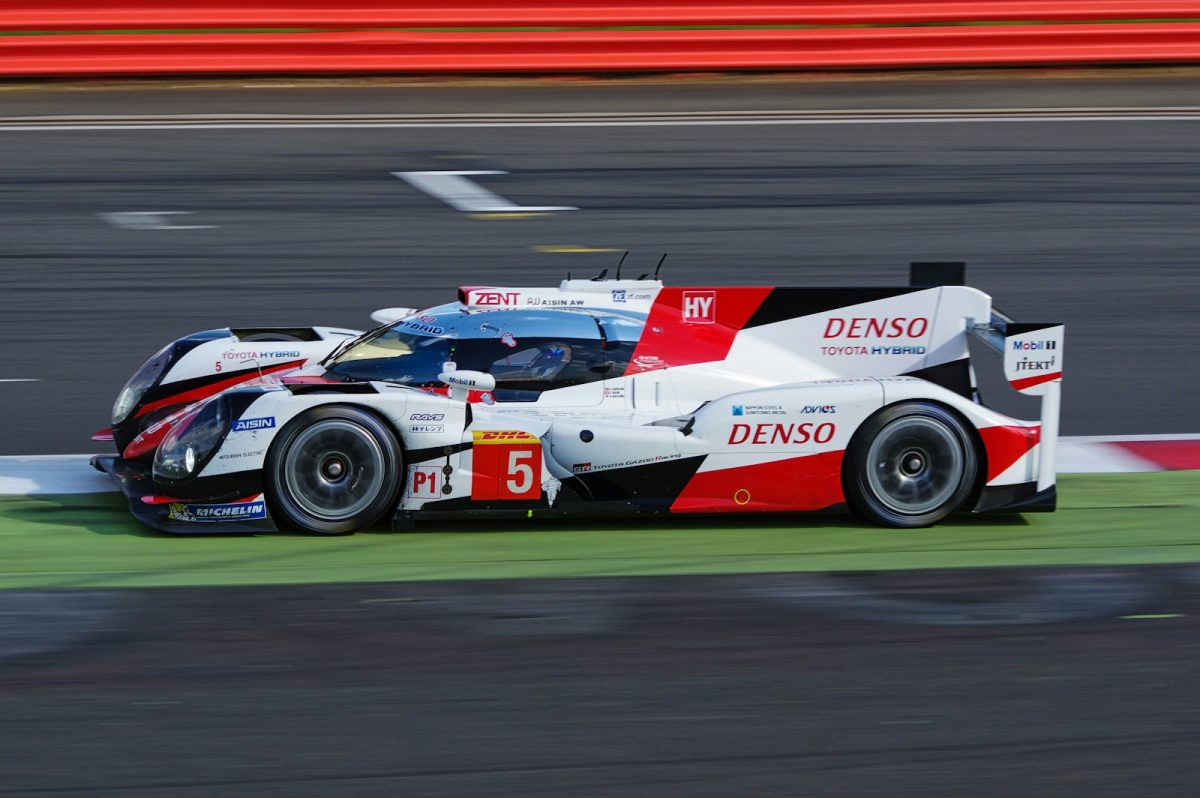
(919, 465)
(334, 469)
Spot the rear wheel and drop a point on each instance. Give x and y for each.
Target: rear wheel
(910, 465)
(334, 470)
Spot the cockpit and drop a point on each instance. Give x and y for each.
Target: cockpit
(527, 351)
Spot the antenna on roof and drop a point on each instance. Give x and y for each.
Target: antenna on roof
(621, 261)
(568, 277)
(659, 266)
(600, 277)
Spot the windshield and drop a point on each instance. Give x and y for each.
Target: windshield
(527, 351)
(411, 351)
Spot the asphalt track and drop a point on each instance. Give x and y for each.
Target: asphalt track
(995, 683)
(1091, 222)
(1029, 682)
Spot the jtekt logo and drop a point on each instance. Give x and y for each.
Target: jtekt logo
(700, 307)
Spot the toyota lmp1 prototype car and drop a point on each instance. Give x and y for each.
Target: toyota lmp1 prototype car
(598, 398)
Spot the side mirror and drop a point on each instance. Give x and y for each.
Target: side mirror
(463, 382)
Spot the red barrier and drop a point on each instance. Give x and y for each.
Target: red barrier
(591, 51)
(204, 14)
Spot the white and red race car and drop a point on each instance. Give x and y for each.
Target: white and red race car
(598, 398)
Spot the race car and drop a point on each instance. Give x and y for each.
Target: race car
(596, 398)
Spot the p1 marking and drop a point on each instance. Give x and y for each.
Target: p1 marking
(424, 482)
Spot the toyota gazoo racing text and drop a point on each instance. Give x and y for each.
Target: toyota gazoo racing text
(598, 398)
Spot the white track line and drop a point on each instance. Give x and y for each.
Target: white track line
(20, 379)
(1086, 457)
(51, 474)
(150, 220)
(454, 189)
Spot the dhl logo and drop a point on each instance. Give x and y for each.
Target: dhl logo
(486, 437)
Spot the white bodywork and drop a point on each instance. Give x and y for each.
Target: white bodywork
(784, 391)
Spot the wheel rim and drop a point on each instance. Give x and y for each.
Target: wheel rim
(334, 469)
(915, 465)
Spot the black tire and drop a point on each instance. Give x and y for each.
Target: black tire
(910, 465)
(333, 470)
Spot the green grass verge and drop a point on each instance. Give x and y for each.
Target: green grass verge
(91, 541)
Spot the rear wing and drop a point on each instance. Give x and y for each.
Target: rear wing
(1033, 358)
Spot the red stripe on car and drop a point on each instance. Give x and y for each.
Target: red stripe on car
(1007, 444)
(793, 484)
(1029, 382)
(213, 388)
(693, 325)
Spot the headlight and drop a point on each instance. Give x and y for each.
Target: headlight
(192, 441)
(139, 383)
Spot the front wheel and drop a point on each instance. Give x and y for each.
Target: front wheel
(333, 470)
(910, 465)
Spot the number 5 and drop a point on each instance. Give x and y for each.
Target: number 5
(523, 471)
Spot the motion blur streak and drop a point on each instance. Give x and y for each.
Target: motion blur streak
(989, 683)
(1089, 221)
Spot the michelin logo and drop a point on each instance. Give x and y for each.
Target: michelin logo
(207, 513)
(250, 424)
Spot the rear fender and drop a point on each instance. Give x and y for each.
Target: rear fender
(1010, 446)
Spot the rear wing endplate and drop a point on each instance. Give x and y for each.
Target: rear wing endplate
(1033, 356)
(1033, 365)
